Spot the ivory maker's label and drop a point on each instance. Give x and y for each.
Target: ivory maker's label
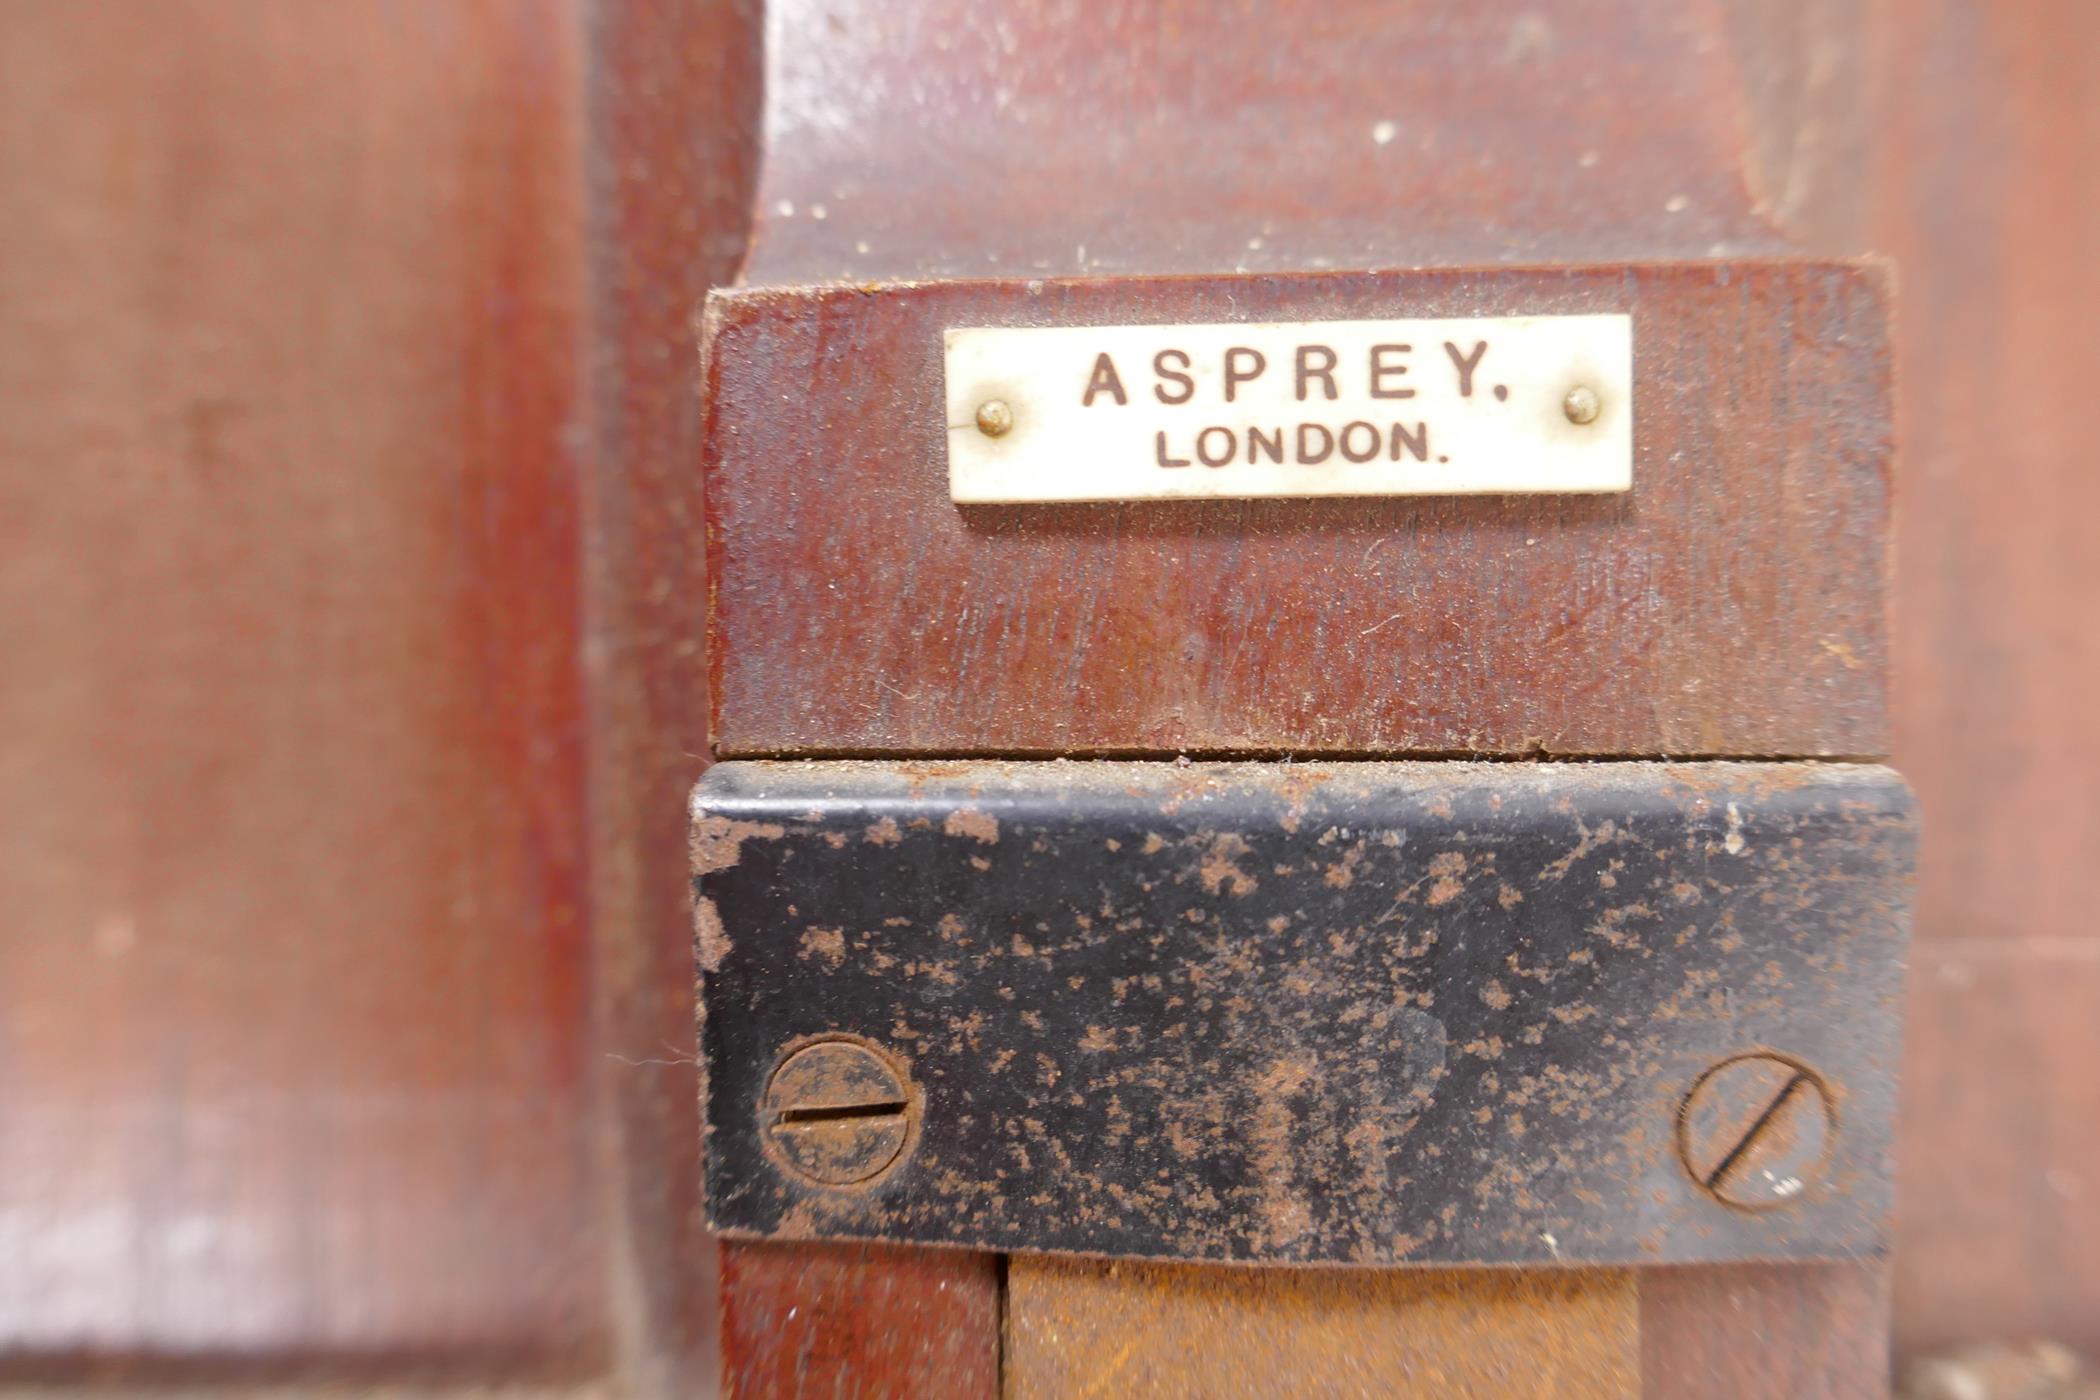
(1319, 408)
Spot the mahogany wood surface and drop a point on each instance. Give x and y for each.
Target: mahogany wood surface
(1984, 193)
(1024, 138)
(817, 682)
(1944, 133)
(1791, 1331)
(859, 1320)
(1731, 603)
(344, 1032)
(346, 497)
(297, 998)
(670, 102)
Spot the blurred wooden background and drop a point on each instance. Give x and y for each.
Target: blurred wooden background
(349, 669)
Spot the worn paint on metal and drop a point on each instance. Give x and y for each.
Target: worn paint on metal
(1355, 1013)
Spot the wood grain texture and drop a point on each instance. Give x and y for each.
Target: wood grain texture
(1019, 138)
(1099, 1328)
(1734, 1332)
(1731, 604)
(1159, 139)
(281, 285)
(1984, 192)
(671, 100)
(1999, 1144)
(296, 1068)
(337, 1038)
(859, 1321)
(1765, 1332)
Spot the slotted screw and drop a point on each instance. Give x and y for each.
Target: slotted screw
(1756, 1130)
(838, 1113)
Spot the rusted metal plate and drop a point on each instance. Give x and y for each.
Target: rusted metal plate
(1351, 1013)
(1738, 590)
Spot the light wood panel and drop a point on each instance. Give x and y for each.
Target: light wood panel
(1097, 1328)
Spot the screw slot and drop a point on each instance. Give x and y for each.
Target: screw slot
(837, 1113)
(1756, 1130)
(844, 1111)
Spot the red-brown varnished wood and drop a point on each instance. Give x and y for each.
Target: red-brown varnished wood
(1984, 190)
(1158, 139)
(296, 1068)
(1022, 138)
(1790, 1332)
(1731, 603)
(313, 318)
(339, 1040)
(670, 106)
(859, 1321)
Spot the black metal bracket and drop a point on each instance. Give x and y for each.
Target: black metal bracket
(1359, 1013)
